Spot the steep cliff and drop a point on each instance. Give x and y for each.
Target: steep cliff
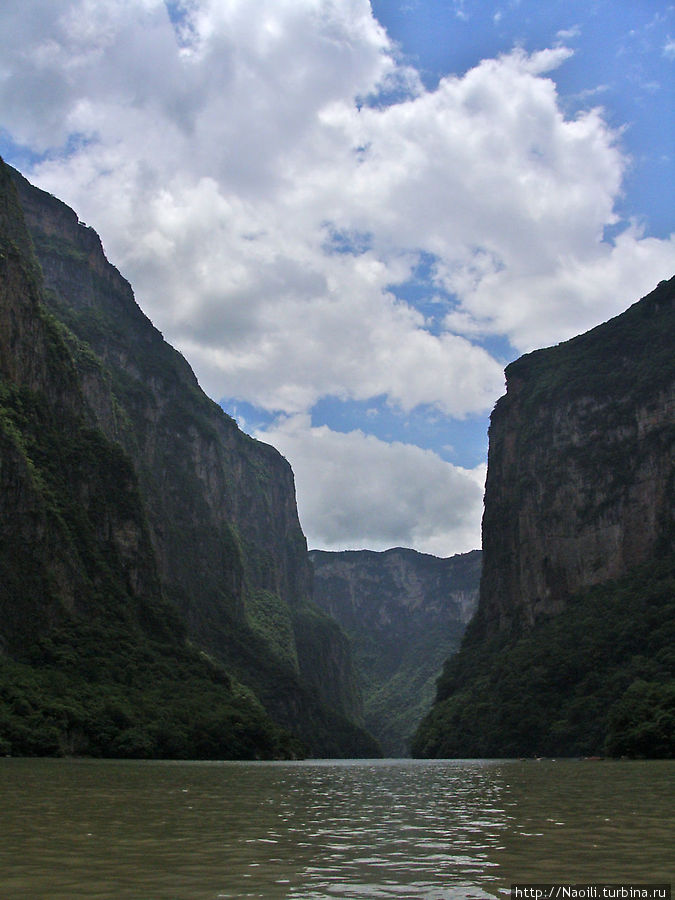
(218, 507)
(405, 613)
(93, 659)
(575, 619)
(580, 467)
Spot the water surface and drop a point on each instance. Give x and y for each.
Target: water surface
(406, 829)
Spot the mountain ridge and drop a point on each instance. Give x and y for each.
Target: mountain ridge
(218, 507)
(404, 613)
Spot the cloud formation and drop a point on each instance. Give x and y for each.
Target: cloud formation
(383, 494)
(271, 177)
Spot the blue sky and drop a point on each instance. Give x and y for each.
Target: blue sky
(350, 217)
(623, 61)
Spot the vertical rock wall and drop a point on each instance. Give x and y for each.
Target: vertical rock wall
(219, 506)
(580, 468)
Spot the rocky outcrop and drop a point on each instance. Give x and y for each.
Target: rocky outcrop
(404, 613)
(570, 650)
(580, 468)
(218, 508)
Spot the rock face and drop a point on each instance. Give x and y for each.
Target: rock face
(404, 613)
(580, 466)
(218, 508)
(93, 659)
(576, 602)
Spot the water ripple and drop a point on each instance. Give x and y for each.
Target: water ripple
(403, 830)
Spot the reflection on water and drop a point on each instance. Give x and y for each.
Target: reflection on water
(440, 830)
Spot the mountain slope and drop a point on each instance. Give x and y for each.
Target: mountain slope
(218, 508)
(93, 659)
(404, 612)
(570, 650)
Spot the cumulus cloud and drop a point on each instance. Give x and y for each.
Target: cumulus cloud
(219, 152)
(541, 308)
(271, 182)
(355, 491)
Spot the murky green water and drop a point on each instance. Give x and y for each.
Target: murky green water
(391, 829)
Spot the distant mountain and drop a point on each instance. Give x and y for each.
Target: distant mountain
(142, 532)
(571, 648)
(404, 613)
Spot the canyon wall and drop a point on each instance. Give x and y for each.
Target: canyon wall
(218, 511)
(404, 613)
(570, 650)
(580, 466)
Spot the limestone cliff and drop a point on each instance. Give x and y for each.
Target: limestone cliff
(218, 507)
(41, 393)
(93, 659)
(404, 613)
(570, 650)
(580, 466)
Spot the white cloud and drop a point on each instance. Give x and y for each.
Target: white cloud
(220, 156)
(216, 165)
(536, 309)
(356, 491)
(566, 34)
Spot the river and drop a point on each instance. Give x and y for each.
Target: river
(404, 829)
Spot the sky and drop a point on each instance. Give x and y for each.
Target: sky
(350, 216)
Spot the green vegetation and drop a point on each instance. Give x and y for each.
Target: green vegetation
(323, 727)
(580, 482)
(396, 701)
(93, 659)
(599, 678)
(397, 667)
(324, 649)
(149, 504)
(104, 689)
(97, 668)
(401, 611)
(270, 617)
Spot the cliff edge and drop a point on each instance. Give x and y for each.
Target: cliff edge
(574, 621)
